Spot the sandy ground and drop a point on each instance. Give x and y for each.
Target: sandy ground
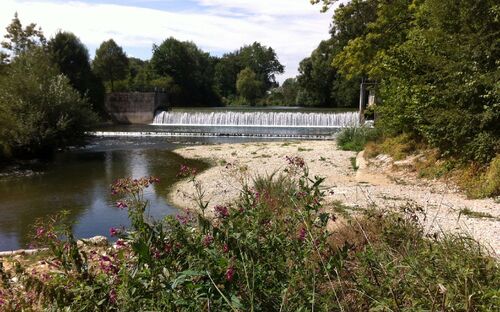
(373, 184)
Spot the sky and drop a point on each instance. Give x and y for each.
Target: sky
(293, 28)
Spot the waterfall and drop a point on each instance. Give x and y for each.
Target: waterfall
(258, 119)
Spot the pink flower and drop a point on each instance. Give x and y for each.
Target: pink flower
(113, 231)
(222, 211)
(121, 205)
(302, 234)
(39, 232)
(112, 296)
(207, 240)
(230, 273)
(225, 248)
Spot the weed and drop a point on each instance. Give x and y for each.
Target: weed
(355, 139)
(474, 214)
(354, 166)
(302, 149)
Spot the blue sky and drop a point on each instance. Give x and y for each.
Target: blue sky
(292, 27)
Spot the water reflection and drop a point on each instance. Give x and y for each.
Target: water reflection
(79, 182)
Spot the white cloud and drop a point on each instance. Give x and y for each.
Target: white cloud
(292, 27)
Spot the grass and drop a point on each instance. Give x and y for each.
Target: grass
(475, 214)
(302, 149)
(354, 166)
(355, 139)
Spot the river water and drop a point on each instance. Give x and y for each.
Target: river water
(79, 180)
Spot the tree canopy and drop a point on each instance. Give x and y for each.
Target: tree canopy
(72, 58)
(110, 62)
(436, 66)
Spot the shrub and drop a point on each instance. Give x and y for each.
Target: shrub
(479, 182)
(398, 147)
(40, 110)
(355, 139)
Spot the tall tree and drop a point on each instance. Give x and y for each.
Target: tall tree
(190, 68)
(249, 86)
(110, 62)
(72, 59)
(19, 39)
(262, 60)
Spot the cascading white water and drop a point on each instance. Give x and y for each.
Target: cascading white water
(258, 119)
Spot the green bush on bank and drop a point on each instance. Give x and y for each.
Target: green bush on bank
(269, 251)
(355, 138)
(39, 109)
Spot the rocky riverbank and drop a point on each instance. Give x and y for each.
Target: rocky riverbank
(349, 178)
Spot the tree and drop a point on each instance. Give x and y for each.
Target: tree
(40, 110)
(19, 40)
(290, 90)
(262, 60)
(189, 67)
(110, 62)
(249, 87)
(442, 92)
(72, 58)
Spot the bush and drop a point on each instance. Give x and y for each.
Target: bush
(355, 139)
(40, 110)
(398, 147)
(479, 182)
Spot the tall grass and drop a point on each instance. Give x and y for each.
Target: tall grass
(355, 139)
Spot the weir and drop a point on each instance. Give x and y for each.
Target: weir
(258, 119)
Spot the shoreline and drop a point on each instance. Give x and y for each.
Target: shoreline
(370, 185)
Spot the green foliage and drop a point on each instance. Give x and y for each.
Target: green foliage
(323, 78)
(19, 40)
(72, 58)
(248, 86)
(481, 182)
(191, 69)
(39, 108)
(110, 62)
(355, 139)
(430, 87)
(260, 59)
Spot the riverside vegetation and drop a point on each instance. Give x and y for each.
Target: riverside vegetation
(276, 248)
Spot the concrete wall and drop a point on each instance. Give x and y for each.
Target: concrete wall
(134, 107)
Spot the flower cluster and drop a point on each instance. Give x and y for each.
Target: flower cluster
(207, 240)
(230, 273)
(107, 265)
(186, 171)
(129, 185)
(296, 161)
(221, 211)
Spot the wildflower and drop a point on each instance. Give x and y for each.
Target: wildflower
(225, 248)
(302, 234)
(40, 231)
(207, 240)
(112, 296)
(221, 211)
(121, 205)
(186, 171)
(296, 161)
(113, 231)
(156, 253)
(182, 219)
(229, 273)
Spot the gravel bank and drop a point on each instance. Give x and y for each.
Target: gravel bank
(371, 184)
